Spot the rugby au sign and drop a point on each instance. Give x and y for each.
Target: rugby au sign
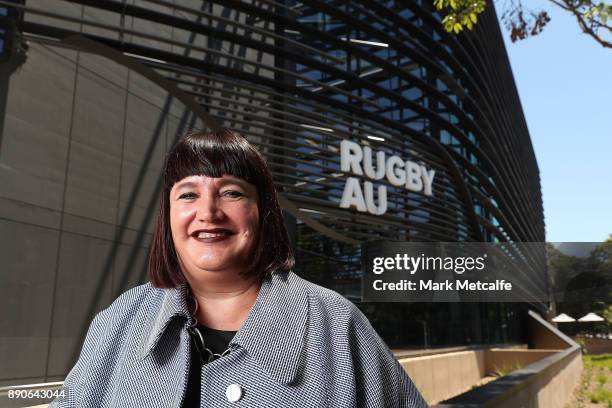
(399, 172)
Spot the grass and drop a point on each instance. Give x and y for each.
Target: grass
(601, 379)
(601, 396)
(595, 384)
(599, 361)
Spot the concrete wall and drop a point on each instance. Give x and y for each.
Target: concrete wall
(595, 345)
(547, 337)
(510, 360)
(550, 389)
(546, 383)
(442, 376)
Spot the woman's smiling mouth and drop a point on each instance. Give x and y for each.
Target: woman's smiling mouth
(212, 235)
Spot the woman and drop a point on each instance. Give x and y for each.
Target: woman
(224, 321)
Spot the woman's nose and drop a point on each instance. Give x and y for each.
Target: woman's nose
(208, 210)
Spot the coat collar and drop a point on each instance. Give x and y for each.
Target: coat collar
(171, 305)
(273, 333)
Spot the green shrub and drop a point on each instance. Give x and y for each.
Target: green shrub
(600, 361)
(601, 396)
(601, 379)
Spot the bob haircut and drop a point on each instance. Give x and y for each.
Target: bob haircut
(214, 154)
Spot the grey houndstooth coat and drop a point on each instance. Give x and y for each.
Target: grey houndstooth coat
(301, 346)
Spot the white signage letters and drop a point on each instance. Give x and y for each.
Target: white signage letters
(413, 176)
(351, 156)
(352, 195)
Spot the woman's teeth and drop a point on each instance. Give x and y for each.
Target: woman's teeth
(204, 235)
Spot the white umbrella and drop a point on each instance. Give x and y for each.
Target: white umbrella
(591, 317)
(563, 318)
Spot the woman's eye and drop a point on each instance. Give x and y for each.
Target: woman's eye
(232, 194)
(187, 196)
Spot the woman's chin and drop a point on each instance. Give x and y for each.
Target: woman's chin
(205, 269)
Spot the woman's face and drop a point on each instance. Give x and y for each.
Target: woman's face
(214, 223)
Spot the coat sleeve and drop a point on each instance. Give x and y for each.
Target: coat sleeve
(380, 379)
(73, 385)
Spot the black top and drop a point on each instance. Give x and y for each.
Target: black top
(217, 341)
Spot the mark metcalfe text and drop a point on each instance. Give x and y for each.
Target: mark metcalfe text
(406, 285)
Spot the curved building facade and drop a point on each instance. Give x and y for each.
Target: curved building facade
(377, 124)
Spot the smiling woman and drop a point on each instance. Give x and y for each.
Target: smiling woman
(224, 321)
(206, 211)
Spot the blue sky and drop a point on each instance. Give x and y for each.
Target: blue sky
(564, 79)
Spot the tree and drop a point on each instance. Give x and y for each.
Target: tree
(607, 314)
(603, 254)
(583, 284)
(594, 17)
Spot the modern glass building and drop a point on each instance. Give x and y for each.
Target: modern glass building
(377, 124)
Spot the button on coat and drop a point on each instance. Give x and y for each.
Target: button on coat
(233, 392)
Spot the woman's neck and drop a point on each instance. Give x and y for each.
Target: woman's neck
(225, 305)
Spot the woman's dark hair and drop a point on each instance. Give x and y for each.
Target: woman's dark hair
(214, 154)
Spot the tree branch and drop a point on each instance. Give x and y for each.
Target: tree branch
(582, 23)
(559, 4)
(556, 3)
